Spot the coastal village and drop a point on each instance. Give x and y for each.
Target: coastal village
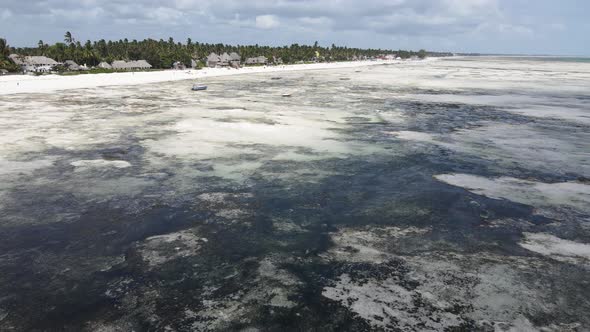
(74, 57)
(43, 64)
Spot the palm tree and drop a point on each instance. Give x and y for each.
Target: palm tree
(4, 48)
(41, 47)
(5, 63)
(68, 38)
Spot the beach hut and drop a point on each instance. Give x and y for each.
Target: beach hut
(104, 65)
(235, 59)
(212, 60)
(71, 65)
(224, 60)
(119, 65)
(139, 64)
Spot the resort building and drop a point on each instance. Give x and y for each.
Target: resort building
(225, 60)
(104, 65)
(259, 60)
(38, 64)
(130, 65)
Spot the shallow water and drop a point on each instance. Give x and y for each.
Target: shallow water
(417, 196)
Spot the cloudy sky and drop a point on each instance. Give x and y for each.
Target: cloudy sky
(492, 26)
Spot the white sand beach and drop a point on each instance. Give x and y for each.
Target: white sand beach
(41, 84)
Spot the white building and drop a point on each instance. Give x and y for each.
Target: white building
(38, 64)
(104, 65)
(259, 60)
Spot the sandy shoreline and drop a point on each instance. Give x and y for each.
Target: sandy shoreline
(14, 84)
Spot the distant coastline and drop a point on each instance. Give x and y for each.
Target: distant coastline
(14, 84)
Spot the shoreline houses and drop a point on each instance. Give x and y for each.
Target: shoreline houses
(43, 64)
(225, 60)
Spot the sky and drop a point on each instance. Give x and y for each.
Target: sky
(486, 26)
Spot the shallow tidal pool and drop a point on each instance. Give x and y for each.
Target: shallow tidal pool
(449, 195)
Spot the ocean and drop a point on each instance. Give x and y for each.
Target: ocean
(451, 194)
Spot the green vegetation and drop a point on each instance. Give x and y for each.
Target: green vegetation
(5, 62)
(163, 53)
(422, 54)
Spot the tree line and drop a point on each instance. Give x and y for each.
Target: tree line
(163, 53)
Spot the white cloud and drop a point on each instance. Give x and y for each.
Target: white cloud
(5, 14)
(558, 26)
(469, 24)
(267, 21)
(315, 21)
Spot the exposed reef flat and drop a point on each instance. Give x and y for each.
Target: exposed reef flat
(450, 195)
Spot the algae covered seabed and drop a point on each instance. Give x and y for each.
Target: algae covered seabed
(424, 196)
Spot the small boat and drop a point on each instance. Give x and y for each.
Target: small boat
(286, 95)
(199, 87)
(344, 79)
(276, 78)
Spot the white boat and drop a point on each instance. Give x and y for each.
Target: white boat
(199, 87)
(286, 95)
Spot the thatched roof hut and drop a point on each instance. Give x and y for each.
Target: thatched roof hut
(224, 60)
(33, 63)
(235, 56)
(130, 65)
(212, 60)
(71, 65)
(32, 60)
(259, 60)
(104, 65)
(235, 59)
(139, 64)
(119, 65)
